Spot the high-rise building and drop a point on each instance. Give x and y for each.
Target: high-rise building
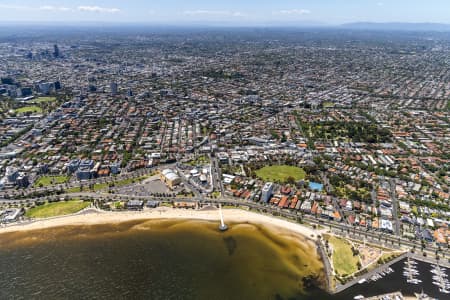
(267, 192)
(114, 88)
(56, 52)
(46, 87)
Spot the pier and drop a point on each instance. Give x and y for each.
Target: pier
(443, 262)
(327, 266)
(222, 226)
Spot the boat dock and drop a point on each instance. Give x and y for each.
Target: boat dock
(410, 271)
(430, 260)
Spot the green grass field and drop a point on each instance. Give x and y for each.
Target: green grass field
(280, 173)
(344, 262)
(56, 209)
(31, 108)
(201, 160)
(44, 99)
(50, 180)
(328, 104)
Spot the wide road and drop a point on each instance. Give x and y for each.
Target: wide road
(339, 228)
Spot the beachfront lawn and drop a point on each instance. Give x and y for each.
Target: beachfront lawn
(281, 173)
(44, 99)
(344, 262)
(50, 180)
(56, 209)
(30, 109)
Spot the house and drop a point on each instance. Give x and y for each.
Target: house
(441, 236)
(135, 205)
(11, 215)
(426, 236)
(386, 225)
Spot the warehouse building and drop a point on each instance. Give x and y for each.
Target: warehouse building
(170, 178)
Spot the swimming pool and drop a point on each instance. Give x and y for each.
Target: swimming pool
(316, 186)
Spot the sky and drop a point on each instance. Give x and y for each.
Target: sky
(232, 12)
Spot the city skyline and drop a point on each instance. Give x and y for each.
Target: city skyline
(173, 12)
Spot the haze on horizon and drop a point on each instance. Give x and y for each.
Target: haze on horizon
(231, 12)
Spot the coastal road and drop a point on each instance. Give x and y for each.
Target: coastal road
(338, 228)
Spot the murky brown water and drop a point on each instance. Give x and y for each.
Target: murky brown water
(157, 259)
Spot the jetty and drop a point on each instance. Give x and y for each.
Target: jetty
(430, 260)
(222, 226)
(327, 266)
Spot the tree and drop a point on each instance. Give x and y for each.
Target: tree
(290, 180)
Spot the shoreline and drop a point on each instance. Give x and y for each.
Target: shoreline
(97, 217)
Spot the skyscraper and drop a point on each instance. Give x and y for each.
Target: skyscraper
(56, 53)
(114, 88)
(267, 191)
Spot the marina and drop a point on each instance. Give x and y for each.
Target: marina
(405, 270)
(440, 279)
(371, 276)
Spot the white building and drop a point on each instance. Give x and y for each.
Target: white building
(267, 192)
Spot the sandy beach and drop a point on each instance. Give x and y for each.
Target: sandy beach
(101, 217)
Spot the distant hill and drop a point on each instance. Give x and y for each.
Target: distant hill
(398, 26)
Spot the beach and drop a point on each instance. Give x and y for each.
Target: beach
(96, 217)
(167, 252)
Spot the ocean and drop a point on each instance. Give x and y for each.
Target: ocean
(157, 259)
(173, 259)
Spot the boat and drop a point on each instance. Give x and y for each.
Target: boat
(414, 281)
(444, 291)
(410, 273)
(358, 297)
